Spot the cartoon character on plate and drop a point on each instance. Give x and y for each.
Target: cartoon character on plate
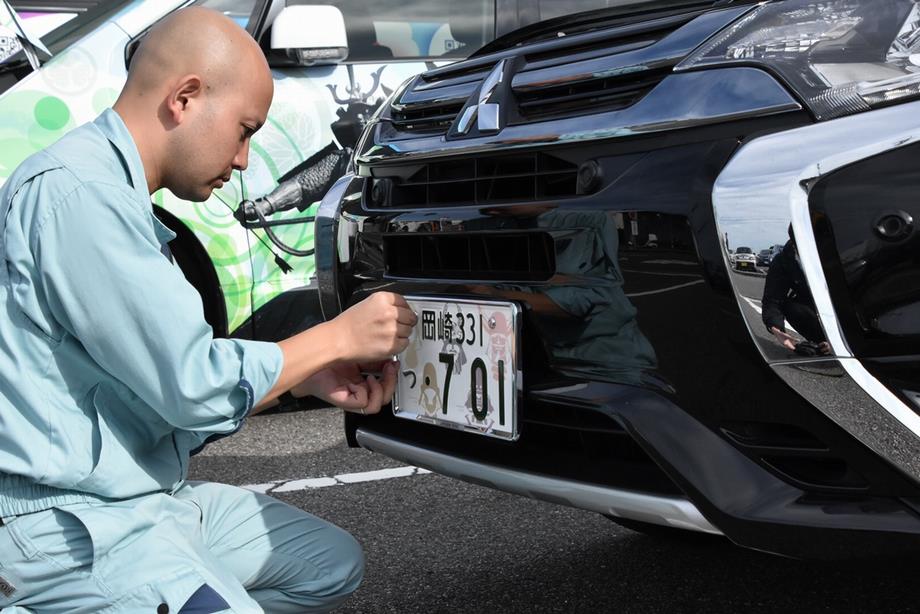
(452, 343)
(498, 342)
(429, 398)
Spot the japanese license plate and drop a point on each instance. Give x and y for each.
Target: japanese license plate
(460, 369)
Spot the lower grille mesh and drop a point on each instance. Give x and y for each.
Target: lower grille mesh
(503, 256)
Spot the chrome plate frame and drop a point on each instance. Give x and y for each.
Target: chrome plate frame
(402, 407)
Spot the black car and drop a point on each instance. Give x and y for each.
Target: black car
(563, 355)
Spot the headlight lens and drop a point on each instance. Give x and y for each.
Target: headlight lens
(841, 56)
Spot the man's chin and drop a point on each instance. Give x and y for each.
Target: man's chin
(198, 195)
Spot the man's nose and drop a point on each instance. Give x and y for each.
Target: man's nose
(241, 160)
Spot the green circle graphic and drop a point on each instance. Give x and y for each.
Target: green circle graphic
(51, 113)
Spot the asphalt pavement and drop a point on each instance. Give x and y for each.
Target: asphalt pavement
(435, 544)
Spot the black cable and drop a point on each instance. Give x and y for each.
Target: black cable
(279, 261)
(265, 225)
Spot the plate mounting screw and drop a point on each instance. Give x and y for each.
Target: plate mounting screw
(492, 323)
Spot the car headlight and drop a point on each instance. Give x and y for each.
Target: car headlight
(840, 56)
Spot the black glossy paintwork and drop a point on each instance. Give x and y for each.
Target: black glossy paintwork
(638, 369)
(617, 309)
(665, 52)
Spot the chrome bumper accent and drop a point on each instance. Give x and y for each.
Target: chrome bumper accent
(665, 511)
(764, 187)
(325, 228)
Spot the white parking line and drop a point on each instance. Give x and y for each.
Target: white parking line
(756, 304)
(335, 480)
(668, 289)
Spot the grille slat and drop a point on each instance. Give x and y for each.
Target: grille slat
(491, 178)
(610, 93)
(426, 119)
(479, 181)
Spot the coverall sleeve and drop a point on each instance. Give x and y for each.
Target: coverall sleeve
(108, 285)
(776, 288)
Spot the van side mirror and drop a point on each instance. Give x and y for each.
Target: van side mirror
(310, 34)
(11, 28)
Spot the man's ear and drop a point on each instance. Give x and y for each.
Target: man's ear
(185, 93)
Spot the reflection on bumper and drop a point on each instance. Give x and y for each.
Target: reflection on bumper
(666, 511)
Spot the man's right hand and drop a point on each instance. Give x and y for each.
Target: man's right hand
(375, 329)
(787, 340)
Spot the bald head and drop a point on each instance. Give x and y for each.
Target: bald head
(198, 41)
(198, 87)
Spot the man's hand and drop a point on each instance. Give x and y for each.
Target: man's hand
(375, 329)
(345, 387)
(787, 340)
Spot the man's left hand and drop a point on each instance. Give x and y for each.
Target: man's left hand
(344, 386)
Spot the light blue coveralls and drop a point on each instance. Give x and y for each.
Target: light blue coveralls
(109, 379)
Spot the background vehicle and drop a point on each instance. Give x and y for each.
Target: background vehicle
(249, 287)
(744, 259)
(582, 369)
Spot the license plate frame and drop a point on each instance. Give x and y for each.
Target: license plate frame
(495, 364)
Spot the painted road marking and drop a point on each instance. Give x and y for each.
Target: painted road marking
(756, 304)
(335, 480)
(669, 289)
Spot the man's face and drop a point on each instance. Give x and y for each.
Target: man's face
(216, 141)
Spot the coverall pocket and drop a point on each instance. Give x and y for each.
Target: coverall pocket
(57, 536)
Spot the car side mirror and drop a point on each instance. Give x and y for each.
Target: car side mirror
(310, 34)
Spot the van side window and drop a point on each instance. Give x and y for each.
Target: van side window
(550, 9)
(237, 10)
(409, 29)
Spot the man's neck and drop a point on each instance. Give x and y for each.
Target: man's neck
(146, 147)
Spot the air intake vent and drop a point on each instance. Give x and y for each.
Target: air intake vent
(608, 94)
(421, 119)
(798, 456)
(507, 257)
(477, 181)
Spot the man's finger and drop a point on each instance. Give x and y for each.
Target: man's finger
(357, 396)
(389, 381)
(406, 316)
(376, 395)
(403, 330)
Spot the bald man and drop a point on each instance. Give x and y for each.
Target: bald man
(110, 376)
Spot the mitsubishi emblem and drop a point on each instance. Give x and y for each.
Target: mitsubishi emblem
(486, 113)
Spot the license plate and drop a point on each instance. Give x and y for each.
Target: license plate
(461, 367)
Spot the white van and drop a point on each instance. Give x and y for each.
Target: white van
(333, 63)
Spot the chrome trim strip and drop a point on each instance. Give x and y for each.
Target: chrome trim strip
(515, 366)
(325, 230)
(665, 511)
(679, 101)
(773, 174)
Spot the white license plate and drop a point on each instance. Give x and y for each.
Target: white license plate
(460, 370)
